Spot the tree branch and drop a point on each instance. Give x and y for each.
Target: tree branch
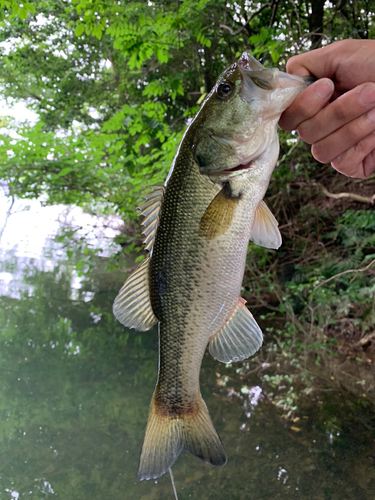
(293, 147)
(244, 26)
(275, 4)
(345, 272)
(353, 196)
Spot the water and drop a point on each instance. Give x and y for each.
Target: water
(74, 395)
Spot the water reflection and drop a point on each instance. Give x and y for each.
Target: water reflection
(28, 228)
(75, 390)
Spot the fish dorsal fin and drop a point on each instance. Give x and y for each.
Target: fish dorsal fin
(239, 338)
(150, 210)
(265, 231)
(132, 306)
(218, 216)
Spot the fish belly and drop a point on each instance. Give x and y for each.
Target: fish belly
(195, 283)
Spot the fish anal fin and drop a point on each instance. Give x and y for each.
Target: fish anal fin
(239, 338)
(132, 306)
(167, 434)
(150, 211)
(218, 216)
(265, 231)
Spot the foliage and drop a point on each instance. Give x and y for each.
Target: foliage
(113, 84)
(326, 295)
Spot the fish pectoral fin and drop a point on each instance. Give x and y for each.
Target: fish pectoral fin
(150, 211)
(168, 434)
(132, 306)
(218, 216)
(239, 338)
(265, 231)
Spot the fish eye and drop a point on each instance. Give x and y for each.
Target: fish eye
(224, 90)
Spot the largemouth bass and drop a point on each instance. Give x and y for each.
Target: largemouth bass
(197, 230)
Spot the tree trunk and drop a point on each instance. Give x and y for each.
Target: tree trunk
(316, 22)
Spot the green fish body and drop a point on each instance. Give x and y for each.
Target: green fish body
(197, 230)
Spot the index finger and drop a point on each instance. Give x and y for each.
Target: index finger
(307, 104)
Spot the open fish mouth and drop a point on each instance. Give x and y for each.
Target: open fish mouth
(239, 168)
(235, 170)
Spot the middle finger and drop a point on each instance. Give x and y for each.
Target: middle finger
(344, 138)
(343, 110)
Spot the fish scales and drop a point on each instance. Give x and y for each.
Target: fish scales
(197, 231)
(200, 284)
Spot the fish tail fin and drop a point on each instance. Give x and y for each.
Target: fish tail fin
(167, 434)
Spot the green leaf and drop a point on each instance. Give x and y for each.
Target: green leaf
(79, 29)
(64, 171)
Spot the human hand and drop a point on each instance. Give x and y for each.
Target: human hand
(336, 114)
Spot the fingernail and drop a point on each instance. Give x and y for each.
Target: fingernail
(367, 95)
(324, 89)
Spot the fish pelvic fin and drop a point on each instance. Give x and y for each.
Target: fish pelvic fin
(239, 338)
(169, 432)
(132, 306)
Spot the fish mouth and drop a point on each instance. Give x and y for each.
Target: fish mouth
(274, 88)
(239, 169)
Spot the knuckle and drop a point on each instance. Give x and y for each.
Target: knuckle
(342, 162)
(340, 110)
(350, 162)
(348, 168)
(354, 130)
(360, 149)
(343, 44)
(359, 129)
(304, 131)
(291, 63)
(286, 121)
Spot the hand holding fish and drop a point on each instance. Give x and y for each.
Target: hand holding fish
(336, 114)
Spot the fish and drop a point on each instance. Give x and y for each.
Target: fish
(197, 228)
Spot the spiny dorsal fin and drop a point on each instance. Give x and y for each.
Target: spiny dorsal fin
(265, 231)
(132, 306)
(150, 210)
(218, 216)
(239, 338)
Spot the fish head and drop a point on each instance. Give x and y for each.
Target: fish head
(238, 121)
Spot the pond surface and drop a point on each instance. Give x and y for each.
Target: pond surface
(74, 395)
